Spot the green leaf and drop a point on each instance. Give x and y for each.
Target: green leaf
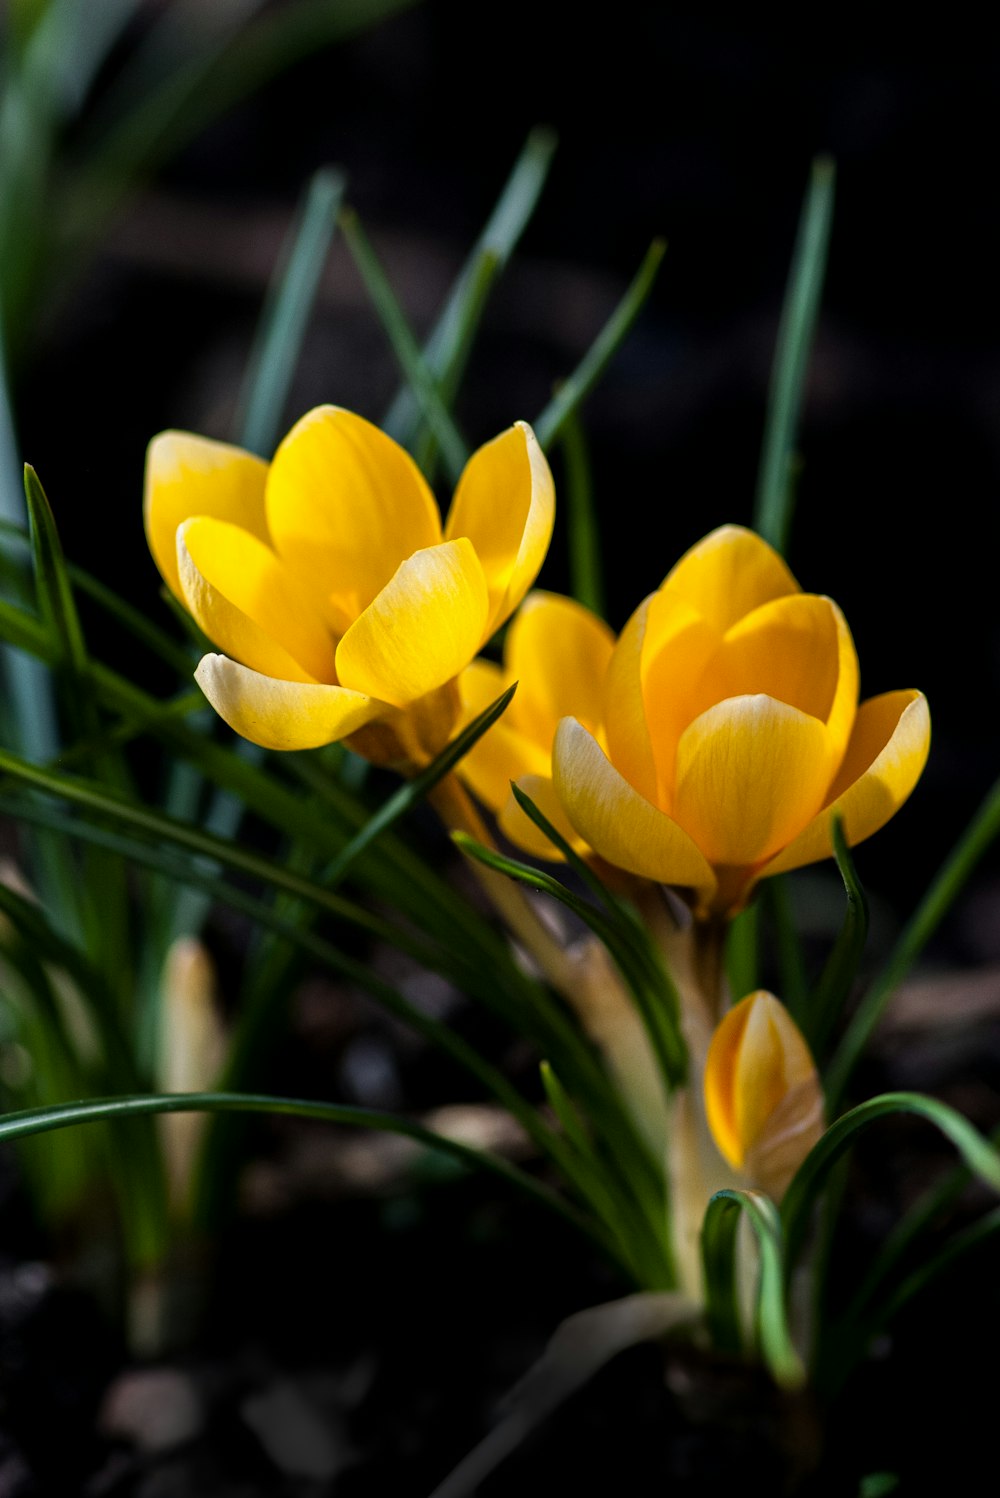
(447, 348)
(719, 1259)
(289, 305)
(742, 951)
(585, 570)
(577, 387)
(977, 1153)
(772, 512)
(830, 994)
(454, 448)
(32, 1121)
(480, 284)
(777, 907)
(944, 889)
(416, 789)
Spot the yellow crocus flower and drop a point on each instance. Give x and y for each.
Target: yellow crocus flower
(557, 652)
(732, 731)
(342, 608)
(762, 1093)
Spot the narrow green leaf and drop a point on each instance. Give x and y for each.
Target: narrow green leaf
(55, 593)
(788, 944)
(595, 361)
(719, 1257)
(977, 1153)
(447, 348)
(772, 513)
(287, 310)
(585, 570)
(416, 789)
(41, 1120)
(952, 1253)
(826, 1003)
(454, 358)
(944, 889)
(454, 448)
(653, 1005)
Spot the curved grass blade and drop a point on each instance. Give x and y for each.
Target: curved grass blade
(447, 348)
(483, 273)
(976, 1152)
(826, 1004)
(666, 1040)
(773, 508)
(454, 448)
(31, 1121)
(574, 390)
(287, 309)
(944, 889)
(719, 1257)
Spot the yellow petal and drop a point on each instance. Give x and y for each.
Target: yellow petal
(791, 650)
(616, 821)
(421, 630)
(246, 600)
(282, 714)
(188, 475)
(678, 679)
(751, 773)
(503, 753)
(729, 573)
(558, 652)
(762, 1095)
(228, 626)
(884, 761)
(505, 505)
(630, 746)
(773, 1058)
(346, 505)
(516, 825)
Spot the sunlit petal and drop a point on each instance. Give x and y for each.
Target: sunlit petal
(505, 505)
(630, 746)
(884, 761)
(616, 821)
(188, 475)
(729, 573)
(346, 505)
(282, 714)
(787, 649)
(751, 773)
(558, 652)
(422, 628)
(228, 626)
(678, 679)
(227, 576)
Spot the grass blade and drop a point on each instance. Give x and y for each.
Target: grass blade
(719, 1257)
(289, 305)
(820, 1015)
(976, 1152)
(595, 361)
(772, 512)
(944, 889)
(454, 448)
(454, 331)
(41, 1120)
(585, 570)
